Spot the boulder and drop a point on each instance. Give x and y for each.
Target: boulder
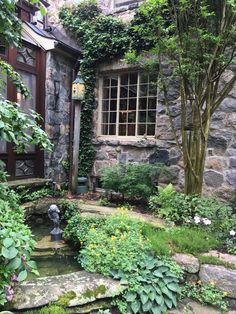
(189, 263)
(223, 278)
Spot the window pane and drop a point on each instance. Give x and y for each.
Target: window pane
(132, 116)
(133, 91)
(124, 79)
(30, 103)
(113, 105)
(153, 77)
(112, 129)
(132, 104)
(152, 103)
(114, 92)
(105, 116)
(141, 129)
(122, 129)
(105, 129)
(123, 104)
(106, 82)
(123, 117)
(143, 103)
(105, 106)
(133, 78)
(142, 116)
(124, 92)
(26, 55)
(151, 129)
(151, 116)
(114, 80)
(131, 129)
(112, 117)
(143, 90)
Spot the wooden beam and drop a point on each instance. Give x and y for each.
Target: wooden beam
(76, 141)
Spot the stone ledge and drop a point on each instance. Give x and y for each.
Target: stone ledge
(83, 286)
(32, 182)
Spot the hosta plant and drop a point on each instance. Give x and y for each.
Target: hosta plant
(152, 287)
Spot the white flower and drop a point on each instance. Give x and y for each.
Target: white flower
(206, 221)
(197, 219)
(232, 233)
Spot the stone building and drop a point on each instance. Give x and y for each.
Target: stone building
(130, 122)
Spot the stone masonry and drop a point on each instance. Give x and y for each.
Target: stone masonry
(57, 114)
(220, 169)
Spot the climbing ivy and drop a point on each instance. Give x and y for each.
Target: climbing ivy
(102, 38)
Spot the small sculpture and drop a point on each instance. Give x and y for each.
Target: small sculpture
(53, 214)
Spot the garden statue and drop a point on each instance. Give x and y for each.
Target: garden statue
(53, 213)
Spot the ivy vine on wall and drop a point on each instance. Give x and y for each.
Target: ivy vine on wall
(102, 38)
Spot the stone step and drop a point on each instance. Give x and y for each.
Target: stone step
(32, 182)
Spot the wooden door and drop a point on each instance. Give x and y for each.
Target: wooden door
(29, 61)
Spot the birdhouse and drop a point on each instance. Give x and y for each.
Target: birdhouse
(78, 88)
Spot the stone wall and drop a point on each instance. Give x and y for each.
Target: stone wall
(220, 170)
(57, 113)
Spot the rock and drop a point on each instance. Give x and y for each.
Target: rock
(189, 263)
(215, 163)
(228, 105)
(231, 177)
(192, 307)
(224, 279)
(217, 142)
(213, 178)
(232, 162)
(228, 258)
(78, 288)
(159, 156)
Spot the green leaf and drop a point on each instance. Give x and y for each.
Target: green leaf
(14, 264)
(144, 298)
(173, 287)
(12, 252)
(156, 309)
(147, 307)
(22, 275)
(32, 264)
(130, 296)
(135, 306)
(8, 242)
(158, 274)
(168, 302)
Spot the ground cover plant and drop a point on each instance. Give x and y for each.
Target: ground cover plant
(117, 247)
(206, 294)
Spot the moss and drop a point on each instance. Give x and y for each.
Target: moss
(88, 308)
(215, 261)
(64, 299)
(88, 294)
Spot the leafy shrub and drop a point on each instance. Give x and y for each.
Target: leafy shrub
(132, 181)
(205, 294)
(16, 244)
(116, 244)
(78, 228)
(181, 208)
(69, 208)
(153, 287)
(180, 239)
